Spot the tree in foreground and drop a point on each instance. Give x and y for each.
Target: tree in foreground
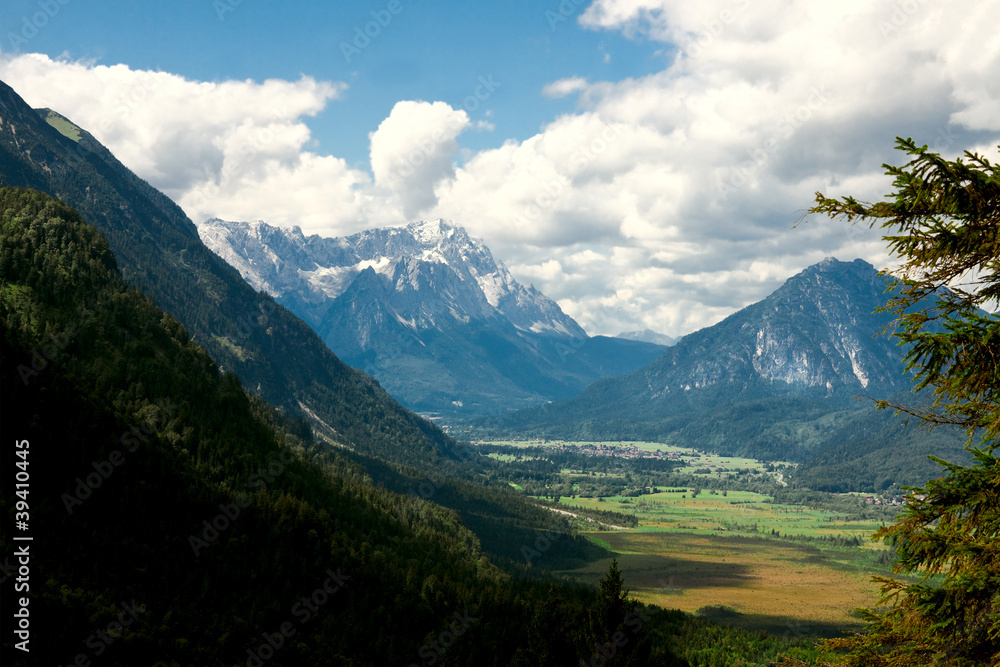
(943, 223)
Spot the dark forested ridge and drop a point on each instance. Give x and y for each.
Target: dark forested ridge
(178, 520)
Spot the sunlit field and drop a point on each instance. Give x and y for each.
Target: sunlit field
(733, 556)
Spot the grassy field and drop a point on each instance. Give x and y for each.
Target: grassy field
(692, 552)
(736, 513)
(754, 583)
(695, 461)
(733, 556)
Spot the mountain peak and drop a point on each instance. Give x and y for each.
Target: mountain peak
(434, 231)
(834, 264)
(428, 310)
(435, 255)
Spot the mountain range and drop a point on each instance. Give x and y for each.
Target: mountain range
(202, 464)
(158, 251)
(275, 355)
(780, 379)
(427, 311)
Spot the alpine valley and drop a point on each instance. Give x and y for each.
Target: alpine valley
(210, 485)
(428, 312)
(201, 479)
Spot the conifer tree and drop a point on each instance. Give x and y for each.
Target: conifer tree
(942, 222)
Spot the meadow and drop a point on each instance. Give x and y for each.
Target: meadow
(741, 560)
(733, 556)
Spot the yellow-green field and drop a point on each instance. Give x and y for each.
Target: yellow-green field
(791, 570)
(737, 512)
(691, 552)
(756, 564)
(782, 587)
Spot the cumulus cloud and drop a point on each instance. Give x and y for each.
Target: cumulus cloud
(413, 150)
(235, 149)
(663, 202)
(712, 160)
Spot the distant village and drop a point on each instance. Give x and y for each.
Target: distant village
(622, 450)
(891, 500)
(625, 451)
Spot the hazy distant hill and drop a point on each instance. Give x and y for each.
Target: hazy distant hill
(648, 336)
(776, 380)
(429, 312)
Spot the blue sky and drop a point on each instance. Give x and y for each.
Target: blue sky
(428, 50)
(643, 162)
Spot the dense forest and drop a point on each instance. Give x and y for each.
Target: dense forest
(177, 519)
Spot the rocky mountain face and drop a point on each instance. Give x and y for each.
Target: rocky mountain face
(816, 335)
(428, 311)
(776, 380)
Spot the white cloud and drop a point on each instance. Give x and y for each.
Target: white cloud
(235, 149)
(664, 202)
(412, 151)
(564, 87)
(717, 156)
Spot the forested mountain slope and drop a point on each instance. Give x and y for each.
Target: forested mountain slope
(158, 250)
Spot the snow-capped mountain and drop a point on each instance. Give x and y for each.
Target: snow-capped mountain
(428, 311)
